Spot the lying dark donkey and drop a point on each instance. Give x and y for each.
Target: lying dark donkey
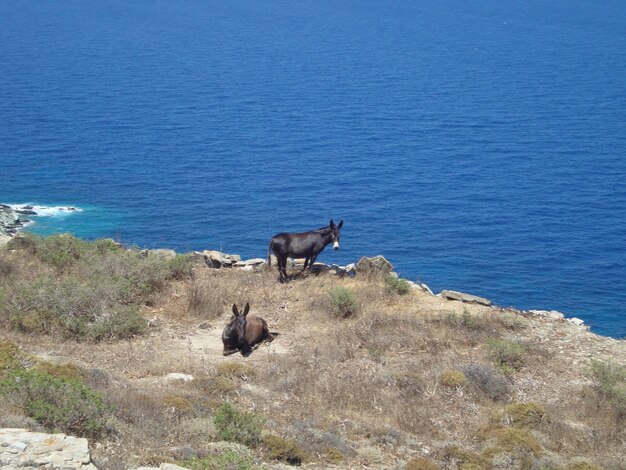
(302, 245)
(243, 333)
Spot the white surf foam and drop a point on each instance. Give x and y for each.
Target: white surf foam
(46, 211)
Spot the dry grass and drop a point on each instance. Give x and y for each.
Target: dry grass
(367, 390)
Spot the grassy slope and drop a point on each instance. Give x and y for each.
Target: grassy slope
(377, 389)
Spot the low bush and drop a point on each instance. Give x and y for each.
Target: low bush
(397, 285)
(238, 426)
(511, 440)
(283, 450)
(452, 378)
(235, 370)
(178, 405)
(488, 380)
(57, 403)
(465, 320)
(226, 460)
(410, 383)
(582, 465)
(10, 357)
(458, 457)
(610, 382)
(506, 354)
(93, 290)
(342, 302)
(524, 414)
(90, 308)
(65, 371)
(421, 463)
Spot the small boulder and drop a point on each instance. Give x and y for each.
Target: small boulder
(549, 314)
(377, 265)
(577, 321)
(177, 377)
(164, 253)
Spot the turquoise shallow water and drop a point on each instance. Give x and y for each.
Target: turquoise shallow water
(479, 146)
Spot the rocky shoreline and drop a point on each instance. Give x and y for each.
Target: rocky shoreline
(11, 221)
(14, 218)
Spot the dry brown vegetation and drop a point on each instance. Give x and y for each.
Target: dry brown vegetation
(404, 381)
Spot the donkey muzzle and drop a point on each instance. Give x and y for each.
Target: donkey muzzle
(336, 245)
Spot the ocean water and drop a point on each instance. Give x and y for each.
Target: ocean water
(480, 146)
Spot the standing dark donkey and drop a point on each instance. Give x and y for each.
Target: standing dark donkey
(302, 245)
(243, 333)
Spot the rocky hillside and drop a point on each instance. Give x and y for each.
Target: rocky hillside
(367, 370)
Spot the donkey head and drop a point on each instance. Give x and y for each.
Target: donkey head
(240, 321)
(334, 233)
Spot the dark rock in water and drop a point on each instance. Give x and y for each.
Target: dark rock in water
(25, 211)
(377, 265)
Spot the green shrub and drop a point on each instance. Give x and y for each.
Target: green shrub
(524, 414)
(66, 370)
(397, 285)
(10, 356)
(60, 251)
(506, 353)
(59, 404)
(238, 426)
(90, 308)
(226, 460)
(342, 302)
(511, 439)
(465, 320)
(283, 450)
(610, 382)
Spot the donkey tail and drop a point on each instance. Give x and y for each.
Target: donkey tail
(269, 255)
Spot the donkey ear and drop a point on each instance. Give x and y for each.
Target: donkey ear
(340, 224)
(246, 309)
(331, 224)
(235, 311)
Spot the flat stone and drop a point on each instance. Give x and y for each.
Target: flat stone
(549, 314)
(576, 321)
(463, 297)
(164, 253)
(177, 377)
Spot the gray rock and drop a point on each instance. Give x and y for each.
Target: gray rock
(577, 321)
(213, 258)
(350, 269)
(377, 265)
(250, 262)
(20, 448)
(217, 259)
(549, 314)
(164, 253)
(463, 297)
(177, 377)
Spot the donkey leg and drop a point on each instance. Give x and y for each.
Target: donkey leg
(313, 258)
(282, 268)
(306, 261)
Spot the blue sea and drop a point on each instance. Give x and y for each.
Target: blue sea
(480, 146)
